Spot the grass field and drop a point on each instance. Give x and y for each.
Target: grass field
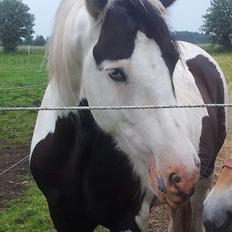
(20, 70)
(225, 62)
(29, 211)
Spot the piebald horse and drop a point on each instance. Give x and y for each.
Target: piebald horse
(109, 167)
(217, 213)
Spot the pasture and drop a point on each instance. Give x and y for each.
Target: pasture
(22, 207)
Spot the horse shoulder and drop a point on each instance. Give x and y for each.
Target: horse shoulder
(209, 80)
(46, 120)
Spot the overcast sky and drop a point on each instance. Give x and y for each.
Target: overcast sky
(183, 15)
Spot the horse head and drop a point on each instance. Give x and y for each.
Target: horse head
(121, 53)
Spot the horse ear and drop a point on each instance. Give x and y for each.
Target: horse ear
(167, 3)
(95, 7)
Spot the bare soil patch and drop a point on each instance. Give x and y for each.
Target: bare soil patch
(12, 182)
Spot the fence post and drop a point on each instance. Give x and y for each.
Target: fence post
(28, 49)
(230, 36)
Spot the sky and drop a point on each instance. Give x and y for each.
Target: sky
(184, 15)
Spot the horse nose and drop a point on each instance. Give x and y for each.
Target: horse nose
(183, 182)
(174, 179)
(180, 186)
(175, 183)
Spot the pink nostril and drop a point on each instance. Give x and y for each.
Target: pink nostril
(177, 179)
(174, 179)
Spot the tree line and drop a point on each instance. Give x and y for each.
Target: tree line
(192, 37)
(39, 40)
(16, 26)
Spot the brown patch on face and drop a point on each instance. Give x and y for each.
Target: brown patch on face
(210, 85)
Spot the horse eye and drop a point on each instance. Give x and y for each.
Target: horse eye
(117, 75)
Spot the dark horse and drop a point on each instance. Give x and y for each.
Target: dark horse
(109, 167)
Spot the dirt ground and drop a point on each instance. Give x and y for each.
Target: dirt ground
(13, 182)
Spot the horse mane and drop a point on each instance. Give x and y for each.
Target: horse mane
(157, 4)
(152, 22)
(58, 70)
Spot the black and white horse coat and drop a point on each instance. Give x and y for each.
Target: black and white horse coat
(94, 167)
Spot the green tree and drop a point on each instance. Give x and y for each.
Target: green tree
(16, 23)
(218, 22)
(39, 41)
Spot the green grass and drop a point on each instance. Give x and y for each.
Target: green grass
(225, 62)
(29, 211)
(20, 69)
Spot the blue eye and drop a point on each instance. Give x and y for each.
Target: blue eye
(117, 75)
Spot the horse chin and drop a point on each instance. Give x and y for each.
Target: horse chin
(176, 203)
(166, 198)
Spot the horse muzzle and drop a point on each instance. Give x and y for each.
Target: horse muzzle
(176, 186)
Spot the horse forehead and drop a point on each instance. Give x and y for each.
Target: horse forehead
(121, 24)
(117, 37)
(122, 21)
